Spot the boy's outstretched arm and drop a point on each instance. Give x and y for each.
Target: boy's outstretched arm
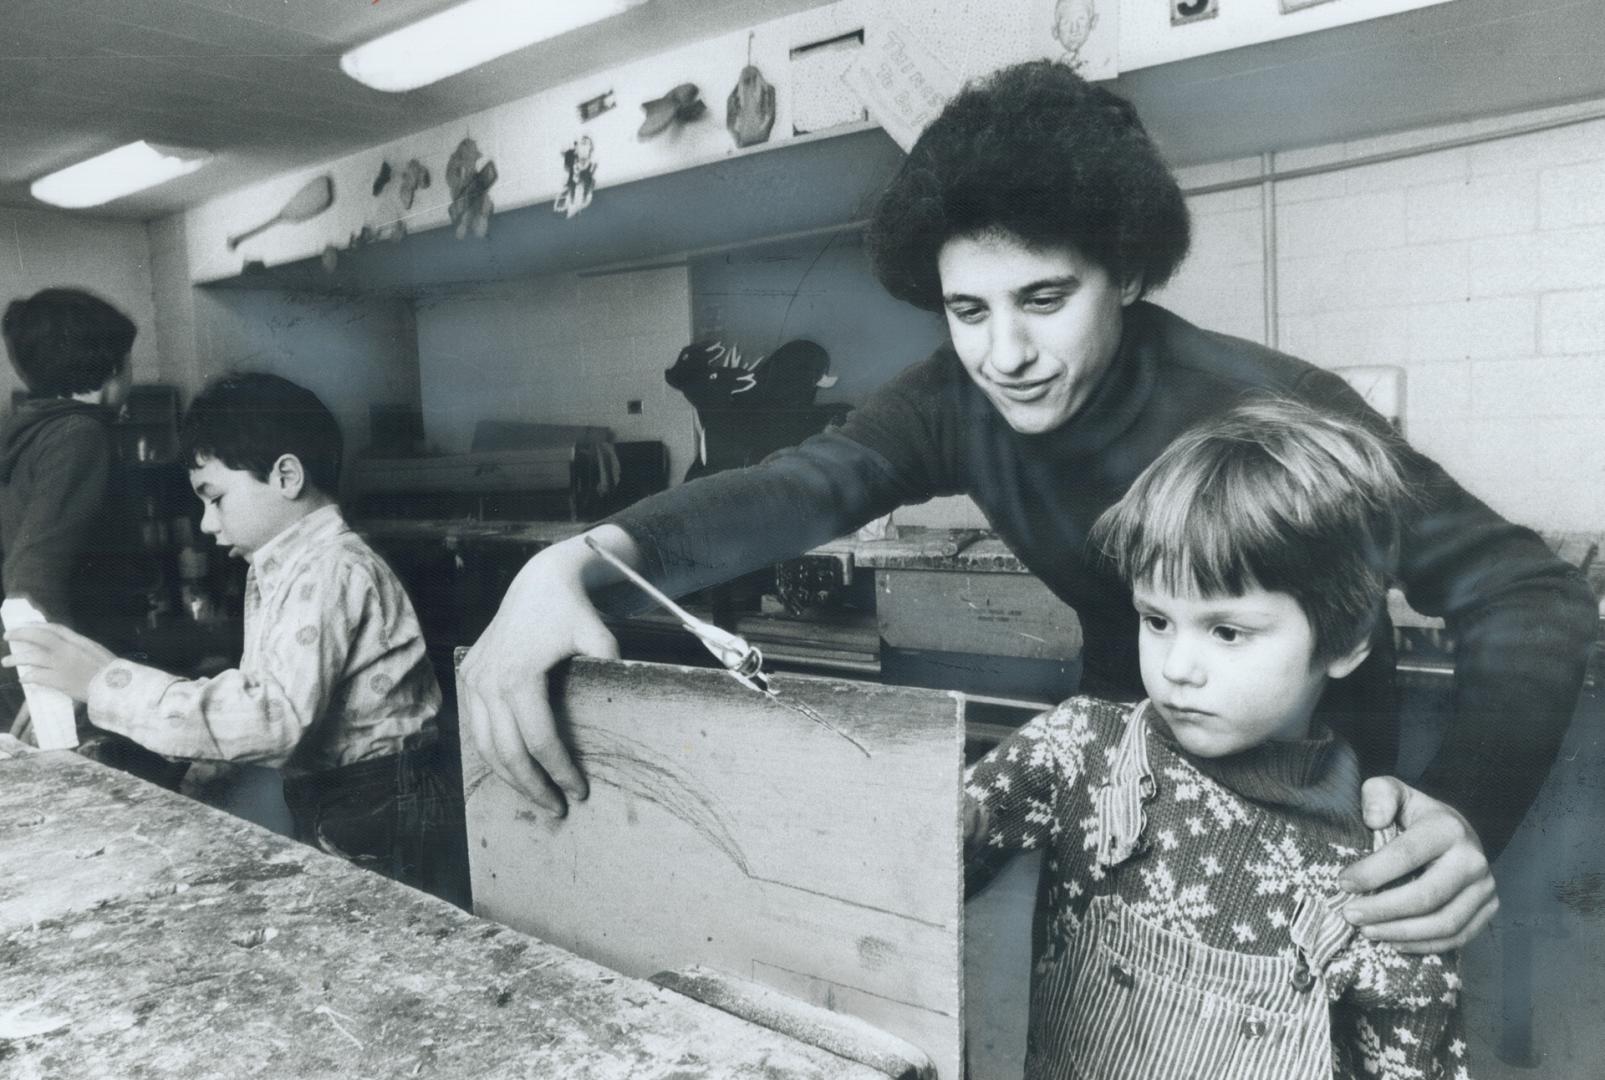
(57, 657)
(1452, 899)
(259, 717)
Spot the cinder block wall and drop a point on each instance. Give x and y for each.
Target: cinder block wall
(1479, 269)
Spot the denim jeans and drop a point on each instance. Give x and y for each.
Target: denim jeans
(400, 815)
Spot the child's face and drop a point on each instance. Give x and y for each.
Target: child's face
(242, 513)
(1229, 672)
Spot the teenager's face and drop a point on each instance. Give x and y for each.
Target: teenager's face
(1230, 672)
(242, 513)
(1036, 328)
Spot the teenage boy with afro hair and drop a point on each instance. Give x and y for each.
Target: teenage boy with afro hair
(334, 687)
(1035, 213)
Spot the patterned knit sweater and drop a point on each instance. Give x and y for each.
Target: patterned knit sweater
(1225, 866)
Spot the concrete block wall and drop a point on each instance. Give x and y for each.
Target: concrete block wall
(560, 349)
(353, 352)
(1478, 268)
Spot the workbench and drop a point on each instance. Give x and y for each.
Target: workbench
(145, 935)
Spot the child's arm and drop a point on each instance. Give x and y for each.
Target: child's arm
(56, 657)
(1399, 1017)
(231, 717)
(260, 715)
(1012, 796)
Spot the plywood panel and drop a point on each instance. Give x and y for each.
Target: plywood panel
(728, 830)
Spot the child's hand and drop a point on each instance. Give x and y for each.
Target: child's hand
(56, 657)
(1453, 898)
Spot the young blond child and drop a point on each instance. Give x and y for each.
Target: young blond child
(335, 688)
(1192, 923)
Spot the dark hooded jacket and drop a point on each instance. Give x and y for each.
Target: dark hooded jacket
(55, 463)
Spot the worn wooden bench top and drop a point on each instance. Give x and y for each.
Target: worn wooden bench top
(145, 935)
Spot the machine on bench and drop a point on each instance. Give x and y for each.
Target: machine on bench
(513, 471)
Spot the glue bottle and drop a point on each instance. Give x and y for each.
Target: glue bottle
(54, 725)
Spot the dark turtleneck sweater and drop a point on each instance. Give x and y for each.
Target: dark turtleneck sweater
(1522, 620)
(1315, 780)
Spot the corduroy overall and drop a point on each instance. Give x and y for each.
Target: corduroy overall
(1138, 1001)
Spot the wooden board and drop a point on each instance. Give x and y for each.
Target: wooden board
(145, 935)
(726, 830)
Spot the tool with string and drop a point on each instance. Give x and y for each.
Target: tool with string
(735, 654)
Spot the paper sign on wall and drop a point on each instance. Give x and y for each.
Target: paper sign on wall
(899, 78)
(901, 82)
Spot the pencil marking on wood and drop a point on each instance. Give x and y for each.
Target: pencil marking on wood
(626, 764)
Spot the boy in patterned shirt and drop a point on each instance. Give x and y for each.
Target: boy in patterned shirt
(1192, 920)
(334, 687)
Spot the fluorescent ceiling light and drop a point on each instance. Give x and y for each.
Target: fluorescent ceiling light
(466, 36)
(116, 173)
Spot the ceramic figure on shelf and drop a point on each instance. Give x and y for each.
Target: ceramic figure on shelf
(414, 178)
(679, 106)
(470, 207)
(313, 199)
(579, 161)
(749, 112)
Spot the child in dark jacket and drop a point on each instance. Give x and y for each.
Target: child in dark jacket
(71, 349)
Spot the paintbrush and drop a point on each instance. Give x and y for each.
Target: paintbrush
(738, 656)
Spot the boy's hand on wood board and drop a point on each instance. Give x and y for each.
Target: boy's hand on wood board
(57, 657)
(1452, 899)
(545, 618)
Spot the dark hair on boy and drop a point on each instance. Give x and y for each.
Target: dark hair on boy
(249, 419)
(1038, 152)
(1273, 494)
(66, 341)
